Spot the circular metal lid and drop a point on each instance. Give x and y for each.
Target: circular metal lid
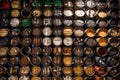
(89, 70)
(78, 32)
(67, 60)
(57, 41)
(67, 31)
(13, 78)
(90, 3)
(79, 3)
(35, 60)
(67, 21)
(91, 13)
(46, 50)
(78, 70)
(68, 41)
(67, 70)
(36, 31)
(78, 41)
(24, 78)
(36, 12)
(24, 70)
(47, 31)
(15, 13)
(68, 12)
(46, 60)
(14, 51)
(35, 71)
(36, 22)
(36, 51)
(47, 41)
(47, 12)
(79, 13)
(90, 22)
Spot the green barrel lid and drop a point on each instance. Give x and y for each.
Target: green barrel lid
(57, 3)
(48, 3)
(26, 22)
(37, 3)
